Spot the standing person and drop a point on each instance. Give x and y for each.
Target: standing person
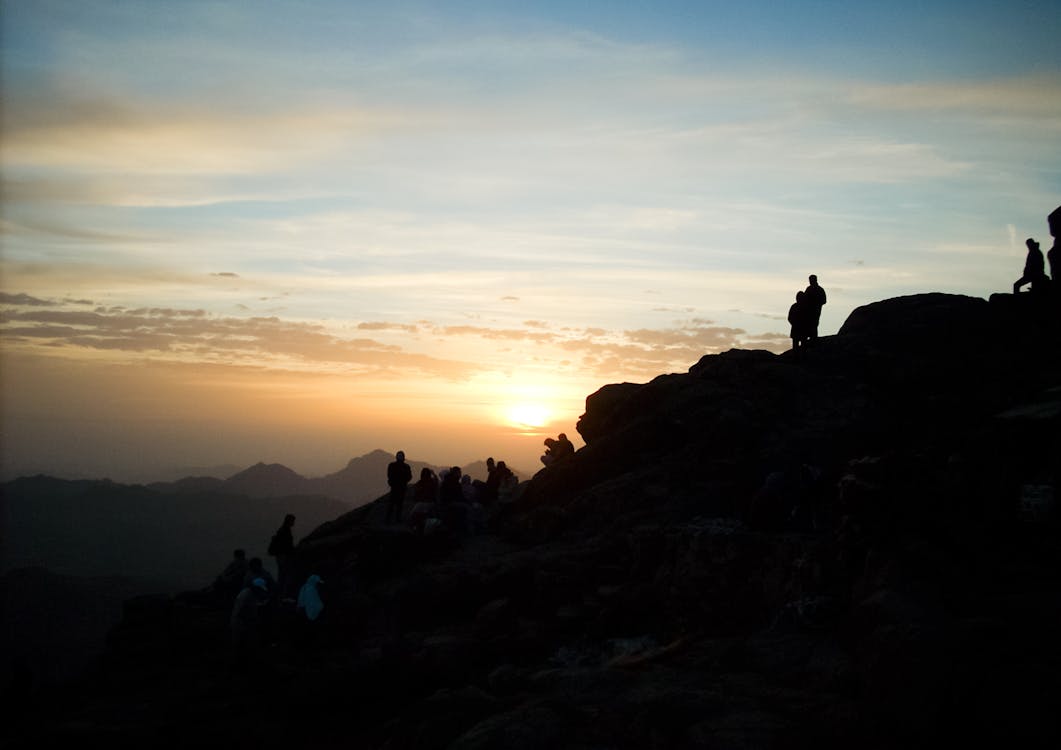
(282, 547)
(399, 474)
(814, 299)
(797, 317)
(1034, 269)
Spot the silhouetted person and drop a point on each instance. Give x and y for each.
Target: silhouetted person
(1054, 254)
(452, 508)
(450, 491)
(255, 569)
(556, 450)
(1034, 269)
(426, 488)
(814, 298)
(797, 318)
(425, 497)
(309, 606)
(399, 474)
(230, 581)
(506, 480)
(488, 489)
(282, 547)
(245, 622)
(484, 493)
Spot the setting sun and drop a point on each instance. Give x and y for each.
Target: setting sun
(529, 414)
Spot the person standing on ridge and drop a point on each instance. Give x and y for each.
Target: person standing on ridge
(282, 547)
(399, 474)
(814, 299)
(1034, 269)
(797, 316)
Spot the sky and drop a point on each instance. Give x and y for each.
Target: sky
(297, 232)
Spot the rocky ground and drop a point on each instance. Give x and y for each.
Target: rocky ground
(857, 548)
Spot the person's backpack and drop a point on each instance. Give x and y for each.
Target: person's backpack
(272, 546)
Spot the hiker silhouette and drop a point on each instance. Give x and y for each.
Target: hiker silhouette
(797, 316)
(281, 547)
(229, 581)
(814, 299)
(399, 474)
(1034, 269)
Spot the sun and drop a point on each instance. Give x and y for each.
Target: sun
(529, 414)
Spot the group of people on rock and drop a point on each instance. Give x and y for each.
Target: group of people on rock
(1035, 265)
(804, 315)
(557, 450)
(449, 499)
(258, 599)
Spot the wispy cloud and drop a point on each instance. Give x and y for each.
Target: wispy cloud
(1035, 98)
(196, 335)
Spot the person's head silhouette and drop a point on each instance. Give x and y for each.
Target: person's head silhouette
(1032, 244)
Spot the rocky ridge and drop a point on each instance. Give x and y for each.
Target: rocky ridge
(855, 548)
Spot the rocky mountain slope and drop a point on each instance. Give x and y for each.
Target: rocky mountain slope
(858, 548)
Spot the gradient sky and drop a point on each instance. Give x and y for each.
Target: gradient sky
(300, 231)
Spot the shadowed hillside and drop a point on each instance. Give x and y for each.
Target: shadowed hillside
(857, 548)
(101, 528)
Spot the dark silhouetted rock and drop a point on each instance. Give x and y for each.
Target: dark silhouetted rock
(856, 548)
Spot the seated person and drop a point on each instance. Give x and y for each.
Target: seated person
(230, 581)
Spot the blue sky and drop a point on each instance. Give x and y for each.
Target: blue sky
(473, 210)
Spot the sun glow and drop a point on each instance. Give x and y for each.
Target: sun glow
(529, 414)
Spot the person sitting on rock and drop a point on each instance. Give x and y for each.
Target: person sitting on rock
(255, 569)
(453, 510)
(506, 481)
(425, 498)
(557, 450)
(309, 603)
(549, 457)
(246, 623)
(229, 582)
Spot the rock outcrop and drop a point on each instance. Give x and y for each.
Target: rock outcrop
(853, 548)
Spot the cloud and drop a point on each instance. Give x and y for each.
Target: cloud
(24, 299)
(196, 335)
(383, 326)
(226, 274)
(1036, 98)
